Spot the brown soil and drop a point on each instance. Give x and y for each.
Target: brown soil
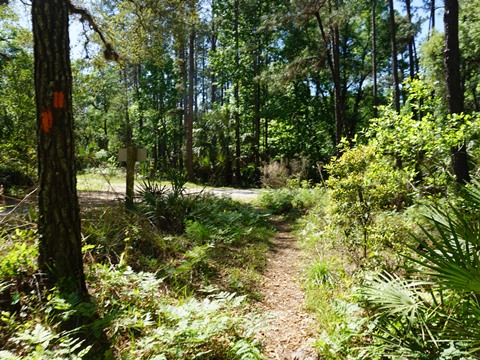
(290, 333)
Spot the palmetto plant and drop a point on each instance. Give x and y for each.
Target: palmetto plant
(452, 250)
(434, 313)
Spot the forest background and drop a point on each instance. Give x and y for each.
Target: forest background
(221, 89)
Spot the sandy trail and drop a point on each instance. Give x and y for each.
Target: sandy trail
(290, 333)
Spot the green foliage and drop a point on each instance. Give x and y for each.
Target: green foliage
(291, 201)
(219, 234)
(145, 322)
(330, 299)
(437, 318)
(19, 252)
(322, 273)
(419, 139)
(156, 295)
(41, 342)
(114, 235)
(278, 201)
(17, 109)
(20, 258)
(361, 186)
(167, 207)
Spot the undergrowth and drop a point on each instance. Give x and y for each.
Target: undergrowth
(394, 246)
(291, 201)
(159, 291)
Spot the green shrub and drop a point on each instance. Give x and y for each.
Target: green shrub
(360, 187)
(19, 253)
(422, 146)
(291, 201)
(167, 207)
(438, 318)
(17, 165)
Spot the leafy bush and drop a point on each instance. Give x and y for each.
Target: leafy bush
(17, 166)
(437, 318)
(278, 201)
(291, 201)
(361, 186)
(420, 138)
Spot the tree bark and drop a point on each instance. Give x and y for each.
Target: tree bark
(184, 104)
(432, 16)
(190, 113)
(60, 257)
(238, 150)
(411, 40)
(393, 40)
(374, 59)
(333, 59)
(455, 95)
(131, 151)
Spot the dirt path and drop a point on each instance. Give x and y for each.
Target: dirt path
(290, 333)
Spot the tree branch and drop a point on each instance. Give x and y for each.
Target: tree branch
(5, 56)
(109, 52)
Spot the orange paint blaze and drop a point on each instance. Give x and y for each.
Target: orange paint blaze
(58, 99)
(47, 120)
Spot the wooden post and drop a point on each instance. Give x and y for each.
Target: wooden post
(130, 191)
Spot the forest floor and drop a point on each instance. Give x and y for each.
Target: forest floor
(290, 328)
(290, 332)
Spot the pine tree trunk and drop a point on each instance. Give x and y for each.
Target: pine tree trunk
(184, 105)
(374, 58)
(393, 41)
(238, 154)
(333, 59)
(432, 15)
(455, 96)
(190, 113)
(340, 125)
(60, 256)
(411, 40)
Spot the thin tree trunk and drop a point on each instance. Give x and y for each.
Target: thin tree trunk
(393, 40)
(183, 121)
(455, 95)
(333, 59)
(238, 150)
(189, 120)
(256, 121)
(432, 15)
(60, 255)
(339, 99)
(131, 152)
(411, 40)
(374, 59)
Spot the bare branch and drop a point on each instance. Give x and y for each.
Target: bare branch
(109, 52)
